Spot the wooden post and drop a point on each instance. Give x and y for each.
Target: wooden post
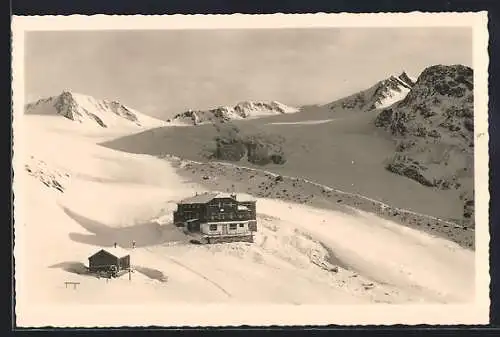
(129, 274)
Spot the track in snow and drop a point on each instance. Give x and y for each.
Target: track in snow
(196, 273)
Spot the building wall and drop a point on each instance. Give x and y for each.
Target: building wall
(217, 210)
(186, 212)
(222, 228)
(252, 225)
(125, 262)
(102, 259)
(222, 209)
(252, 206)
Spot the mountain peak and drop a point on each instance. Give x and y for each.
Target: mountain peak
(383, 94)
(407, 79)
(85, 109)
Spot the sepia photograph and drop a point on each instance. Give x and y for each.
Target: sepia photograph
(251, 169)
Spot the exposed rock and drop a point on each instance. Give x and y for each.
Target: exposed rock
(86, 109)
(257, 148)
(433, 125)
(241, 110)
(381, 95)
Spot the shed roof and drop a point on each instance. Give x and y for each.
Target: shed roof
(115, 251)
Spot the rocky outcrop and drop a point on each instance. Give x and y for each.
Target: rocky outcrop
(50, 177)
(433, 127)
(256, 148)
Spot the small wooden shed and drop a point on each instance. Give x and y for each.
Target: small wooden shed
(108, 259)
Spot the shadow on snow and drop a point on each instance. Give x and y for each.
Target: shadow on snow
(145, 234)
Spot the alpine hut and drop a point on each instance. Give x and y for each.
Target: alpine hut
(110, 260)
(217, 217)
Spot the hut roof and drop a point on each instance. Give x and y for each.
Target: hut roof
(208, 196)
(115, 251)
(199, 199)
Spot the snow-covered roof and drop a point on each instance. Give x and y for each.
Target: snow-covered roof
(199, 199)
(206, 197)
(115, 251)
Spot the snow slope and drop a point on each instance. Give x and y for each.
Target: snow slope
(242, 110)
(301, 255)
(91, 111)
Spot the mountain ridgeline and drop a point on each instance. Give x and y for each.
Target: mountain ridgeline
(400, 134)
(434, 130)
(380, 95)
(90, 111)
(242, 110)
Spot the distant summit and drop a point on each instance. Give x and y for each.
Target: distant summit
(381, 95)
(242, 110)
(91, 111)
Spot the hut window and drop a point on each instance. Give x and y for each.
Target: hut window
(242, 225)
(213, 227)
(232, 226)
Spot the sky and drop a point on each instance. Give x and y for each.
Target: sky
(161, 73)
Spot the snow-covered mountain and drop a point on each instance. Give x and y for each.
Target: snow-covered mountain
(381, 95)
(91, 111)
(85, 197)
(434, 129)
(242, 110)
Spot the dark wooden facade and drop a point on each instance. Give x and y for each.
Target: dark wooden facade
(213, 208)
(211, 213)
(105, 260)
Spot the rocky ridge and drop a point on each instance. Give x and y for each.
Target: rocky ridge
(433, 127)
(382, 94)
(88, 110)
(242, 110)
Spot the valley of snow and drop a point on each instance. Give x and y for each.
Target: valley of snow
(73, 197)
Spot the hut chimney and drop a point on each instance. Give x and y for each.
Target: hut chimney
(115, 244)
